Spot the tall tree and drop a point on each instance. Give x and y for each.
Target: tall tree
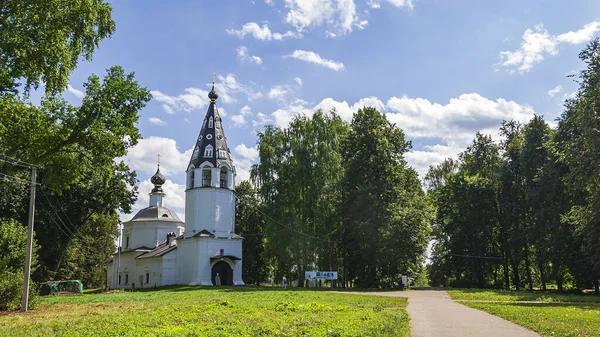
(250, 225)
(385, 226)
(41, 41)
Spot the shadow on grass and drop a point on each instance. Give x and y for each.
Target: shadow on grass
(180, 288)
(533, 295)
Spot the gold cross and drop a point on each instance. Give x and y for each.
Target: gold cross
(158, 156)
(213, 77)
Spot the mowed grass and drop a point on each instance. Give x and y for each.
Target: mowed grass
(557, 315)
(198, 311)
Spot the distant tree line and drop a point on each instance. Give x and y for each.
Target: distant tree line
(525, 212)
(336, 196)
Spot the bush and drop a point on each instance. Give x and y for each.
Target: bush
(13, 242)
(11, 288)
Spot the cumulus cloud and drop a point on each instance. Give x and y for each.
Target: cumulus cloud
(250, 153)
(228, 86)
(555, 91)
(240, 119)
(278, 91)
(261, 120)
(142, 157)
(261, 33)
(338, 16)
(191, 99)
(78, 93)
(537, 43)
(402, 3)
(312, 57)
(174, 199)
(298, 80)
(242, 53)
(157, 121)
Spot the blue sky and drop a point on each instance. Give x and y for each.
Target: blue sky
(439, 69)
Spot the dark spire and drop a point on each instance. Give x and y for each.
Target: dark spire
(211, 145)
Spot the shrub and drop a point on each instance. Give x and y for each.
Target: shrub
(13, 241)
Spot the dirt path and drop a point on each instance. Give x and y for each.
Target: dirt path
(434, 314)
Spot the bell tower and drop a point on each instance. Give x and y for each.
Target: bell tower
(210, 179)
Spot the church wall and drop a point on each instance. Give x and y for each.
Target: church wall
(147, 233)
(169, 268)
(230, 247)
(152, 266)
(212, 209)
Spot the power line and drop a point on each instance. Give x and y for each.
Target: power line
(55, 212)
(6, 176)
(15, 161)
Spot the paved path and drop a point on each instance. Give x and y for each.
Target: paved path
(434, 314)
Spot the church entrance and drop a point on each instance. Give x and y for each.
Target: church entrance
(225, 273)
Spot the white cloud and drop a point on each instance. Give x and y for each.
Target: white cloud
(402, 3)
(78, 93)
(457, 121)
(555, 91)
(192, 99)
(335, 15)
(312, 57)
(227, 86)
(261, 120)
(278, 92)
(168, 109)
(537, 42)
(261, 33)
(298, 80)
(250, 153)
(245, 110)
(238, 120)
(142, 157)
(157, 121)
(373, 4)
(269, 2)
(242, 169)
(242, 53)
(174, 199)
(454, 123)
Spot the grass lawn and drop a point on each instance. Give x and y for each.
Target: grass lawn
(558, 315)
(198, 311)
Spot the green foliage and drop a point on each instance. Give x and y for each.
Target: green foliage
(227, 311)
(250, 224)
(297, 178)
(385, 226)
(13, 243)
(41, 41)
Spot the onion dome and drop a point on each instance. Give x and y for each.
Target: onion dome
(158, 179)
(212, 95)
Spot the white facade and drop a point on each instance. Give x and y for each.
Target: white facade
(159, 249)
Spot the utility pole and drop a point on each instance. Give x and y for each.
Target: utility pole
(27, 271)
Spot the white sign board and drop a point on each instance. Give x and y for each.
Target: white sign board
(321, 275)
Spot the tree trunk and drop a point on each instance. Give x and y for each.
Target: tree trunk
(542, 276)
(528, 268)
(516, 278)
(506, 276)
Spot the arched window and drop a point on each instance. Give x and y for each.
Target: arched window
(206, 176)
(119, 278)
(147, 277)
(191, 182)
(218, 123)
(210, 122)
(127, 242)
(208, 151)
(223, 177)
(126, 278)
(222, 153)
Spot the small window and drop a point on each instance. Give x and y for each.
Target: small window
(127, 243)
(126, 278)
(208, 151)
(147, 277)
(206, 177)
(223, 177)
(119, 278)
(165, 215)
(210, 122)
(218, 124)
(222, 252)
(191, 182)
(222, 153)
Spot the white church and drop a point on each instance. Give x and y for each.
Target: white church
(159, 249)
